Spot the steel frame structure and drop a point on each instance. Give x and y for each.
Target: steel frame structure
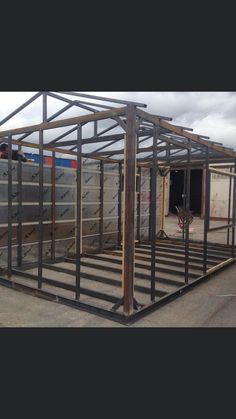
(143, 141)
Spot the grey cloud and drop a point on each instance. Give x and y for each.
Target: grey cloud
(209, 113)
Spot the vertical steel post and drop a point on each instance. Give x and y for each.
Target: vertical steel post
(188, 185)
(234, 213)
(41, 196)
(184, 204)
(139, 202)
(78, 209)
(41, 212)
(95, 126)
(129, 210)
(207, 210)
(150, 212)
(19, 217)
(9, 272)
(229, 205)
(45, 107)
(120, 205)
(153, 213)
(101, 204)
(53, 197)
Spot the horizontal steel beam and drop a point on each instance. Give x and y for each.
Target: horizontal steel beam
(172, 296)
(107, 314)
(173, 128)
(65, 122)
(222, 172)
(105, 99)
(182, 157)
(73, 102)
(68, 287)
(91, 140)
(58, 150)
(139, 151)
(175, 142)
(103, 280)
(83, 102)
(227, 226)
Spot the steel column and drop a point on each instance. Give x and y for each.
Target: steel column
(129, 210)
(53, 247)
(102, 204)
(139, 202)
(120, 205)
(184, 204)
(41, 195)
(95, 125)
(45, 107)
(229, 206)
(19, 218)
(153, 213)
(234, 213)
(207, 209)
(41, 199)
(78, 209)
(188, 179)
(9, 272)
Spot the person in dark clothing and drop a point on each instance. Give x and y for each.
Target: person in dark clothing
(16, 155)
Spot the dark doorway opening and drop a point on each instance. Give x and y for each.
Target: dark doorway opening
(177, 190)
(196, 192)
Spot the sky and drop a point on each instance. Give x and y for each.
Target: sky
(212, 114)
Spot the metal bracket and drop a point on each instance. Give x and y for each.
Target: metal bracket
(162, 235)
(163, 172)
(120, 303)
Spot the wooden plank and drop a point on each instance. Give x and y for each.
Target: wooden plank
(220, 265)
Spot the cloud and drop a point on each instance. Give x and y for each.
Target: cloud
(210, 113)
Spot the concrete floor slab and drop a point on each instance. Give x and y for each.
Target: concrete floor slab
(196, 229)
(211, 304)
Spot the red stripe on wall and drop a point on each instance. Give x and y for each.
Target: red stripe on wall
(48, 161)
(73, 164)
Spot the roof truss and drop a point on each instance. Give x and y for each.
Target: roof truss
(172, 139)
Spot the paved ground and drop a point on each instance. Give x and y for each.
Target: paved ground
(196, 229)
(212, 304)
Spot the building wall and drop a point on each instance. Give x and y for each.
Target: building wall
(219, 197)
(65, 209)
(92, 210)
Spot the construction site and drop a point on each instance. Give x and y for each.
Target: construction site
(118, 216)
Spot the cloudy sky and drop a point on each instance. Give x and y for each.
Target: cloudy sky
(209, 113)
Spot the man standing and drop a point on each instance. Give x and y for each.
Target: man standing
(16, 155)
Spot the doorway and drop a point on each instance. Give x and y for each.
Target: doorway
(177, 191)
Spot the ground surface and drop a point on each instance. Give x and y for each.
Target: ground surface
(212, 304)
(196, 229)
